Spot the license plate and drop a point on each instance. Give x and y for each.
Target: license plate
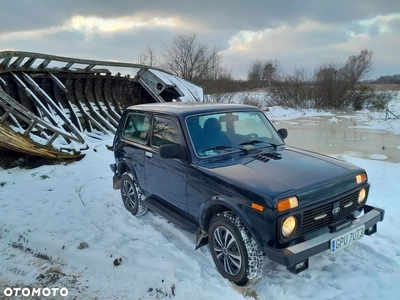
(347, 239)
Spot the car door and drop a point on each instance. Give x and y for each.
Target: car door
(166, 178)
(135, 135)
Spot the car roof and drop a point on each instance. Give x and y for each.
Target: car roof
(190, 108)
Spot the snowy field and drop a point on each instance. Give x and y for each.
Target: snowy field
(64, 226)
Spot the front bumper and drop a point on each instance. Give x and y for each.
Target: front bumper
(298, 253)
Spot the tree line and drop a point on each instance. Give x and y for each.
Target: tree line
(330, 85)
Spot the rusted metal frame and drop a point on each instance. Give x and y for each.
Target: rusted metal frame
(28, 117)
(4, 64)
(79, 94)
(59, 111)
(108, 121)
(17, 62)
(99, 95)
(108, 94)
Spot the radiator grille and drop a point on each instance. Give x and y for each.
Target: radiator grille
(348, 205)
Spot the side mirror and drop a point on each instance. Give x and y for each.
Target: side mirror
(171, 151)
(283, 133)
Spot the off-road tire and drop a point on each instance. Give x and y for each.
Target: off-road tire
(242, 250)
(132, 196)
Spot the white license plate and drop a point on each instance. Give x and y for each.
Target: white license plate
(347, 239)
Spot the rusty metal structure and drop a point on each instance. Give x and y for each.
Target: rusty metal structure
(51, 105)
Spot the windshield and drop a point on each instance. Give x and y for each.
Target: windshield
(220, 133)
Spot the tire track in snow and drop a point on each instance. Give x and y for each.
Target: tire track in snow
(372, 258)
(165, 229)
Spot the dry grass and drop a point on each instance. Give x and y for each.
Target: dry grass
(386, 87)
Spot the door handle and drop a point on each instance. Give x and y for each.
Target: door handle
(148, 154)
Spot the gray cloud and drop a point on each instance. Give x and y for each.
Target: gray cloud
(278, 23)
(241, 14)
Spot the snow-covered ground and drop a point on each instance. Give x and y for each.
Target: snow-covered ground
(64, 226)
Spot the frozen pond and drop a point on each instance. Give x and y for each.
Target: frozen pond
(341, 135)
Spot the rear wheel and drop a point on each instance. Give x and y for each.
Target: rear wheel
(234, 251)
(132, 196)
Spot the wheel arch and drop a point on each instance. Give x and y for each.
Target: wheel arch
(214, 205)
(124, 167)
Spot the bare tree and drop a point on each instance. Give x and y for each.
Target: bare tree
(335, 84)
(270, 71)
(261, 72)
(148, 57)
(255, 71)
(189, 58)
(358, 66)
(294, 90)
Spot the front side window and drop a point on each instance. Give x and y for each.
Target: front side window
(214, 134)
(137, 128)
(165, 131)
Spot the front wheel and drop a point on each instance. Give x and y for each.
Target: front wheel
(234, 251)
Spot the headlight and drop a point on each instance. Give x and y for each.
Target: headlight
(289, 226)
(360, 178)
(361, 196)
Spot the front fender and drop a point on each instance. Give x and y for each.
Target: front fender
(254, 220)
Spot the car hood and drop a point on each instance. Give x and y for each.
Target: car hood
(281, 173)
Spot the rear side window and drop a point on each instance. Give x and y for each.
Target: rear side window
(165, 131)
(137, 128)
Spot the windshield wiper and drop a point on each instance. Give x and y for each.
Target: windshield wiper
(223, 147)
(253, 142)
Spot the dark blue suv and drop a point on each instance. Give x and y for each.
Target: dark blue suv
(224, 173)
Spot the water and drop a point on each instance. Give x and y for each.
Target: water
(340, 135)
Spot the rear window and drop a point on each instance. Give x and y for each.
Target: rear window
(137, 128)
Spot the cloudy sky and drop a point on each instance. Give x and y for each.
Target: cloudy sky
(297, 33)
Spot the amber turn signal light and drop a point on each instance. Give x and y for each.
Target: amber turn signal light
(257, 207)
(360, 178)
(287, 204)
